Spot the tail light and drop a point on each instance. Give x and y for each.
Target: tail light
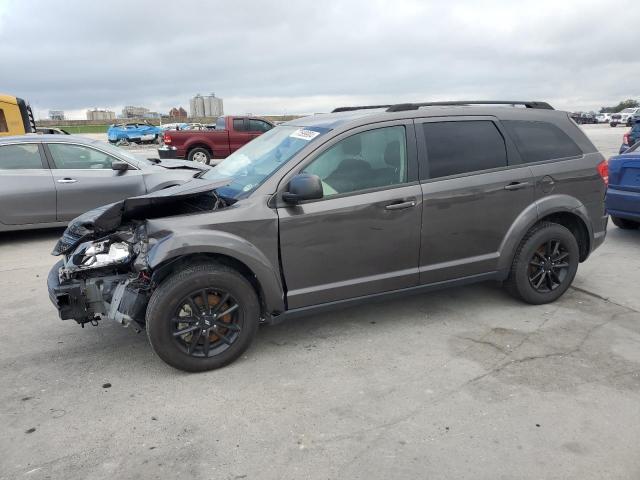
(603, 170)
(625, 139)
(166, 138)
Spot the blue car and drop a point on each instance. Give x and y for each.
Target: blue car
(133, 132)
(632, 136)
(623, 194)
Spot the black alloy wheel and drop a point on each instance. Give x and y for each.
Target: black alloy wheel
(202, 317)
(549, 266)
(206, 322)
(544, 265)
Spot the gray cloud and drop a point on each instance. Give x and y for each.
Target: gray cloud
(277, 56)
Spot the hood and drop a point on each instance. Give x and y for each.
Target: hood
(196, 195)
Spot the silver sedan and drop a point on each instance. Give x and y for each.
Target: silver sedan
(45, 181)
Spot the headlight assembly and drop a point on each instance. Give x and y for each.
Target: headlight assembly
(102, 254)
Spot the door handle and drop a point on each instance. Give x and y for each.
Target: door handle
(401, 205)
(516, 186)
(67, 180)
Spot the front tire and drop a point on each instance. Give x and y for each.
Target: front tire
(200, 155)
(202, 317)
(624, 223)
(544, 265)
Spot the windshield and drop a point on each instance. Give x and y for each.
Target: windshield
(252, 164)
(628, 110)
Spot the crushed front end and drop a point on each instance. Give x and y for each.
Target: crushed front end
(104, 271)
(103, 278)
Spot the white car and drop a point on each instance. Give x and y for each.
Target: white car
(603, 117)
(624, 117)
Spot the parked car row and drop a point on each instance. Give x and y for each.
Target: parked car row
(583, 118)
(626, 117)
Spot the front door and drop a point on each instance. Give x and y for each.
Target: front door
(84, 179)
(363, 236)
(473, 190)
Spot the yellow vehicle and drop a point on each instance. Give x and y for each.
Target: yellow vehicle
(16, 117)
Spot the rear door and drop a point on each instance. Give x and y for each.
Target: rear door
(363, 236)
(27, 192)
(471, 195)
(84, 179)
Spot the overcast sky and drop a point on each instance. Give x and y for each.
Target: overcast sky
(274, 57)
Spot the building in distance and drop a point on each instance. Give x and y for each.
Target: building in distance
(206, 106)
(56, 115)
(100, 114)
(178, 112)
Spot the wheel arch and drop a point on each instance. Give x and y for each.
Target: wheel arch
(197, 144)
(172, 253)
(562, 209)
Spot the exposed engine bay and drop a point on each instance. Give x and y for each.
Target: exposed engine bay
(104, 272)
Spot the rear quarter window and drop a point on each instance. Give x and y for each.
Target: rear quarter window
(540, 141)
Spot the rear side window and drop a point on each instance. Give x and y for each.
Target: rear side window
(20, 157)
(3, 122)
(238, 124)
(462, 147)
(540, 141)
(220, 124)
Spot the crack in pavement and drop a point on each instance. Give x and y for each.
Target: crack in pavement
(605, 299)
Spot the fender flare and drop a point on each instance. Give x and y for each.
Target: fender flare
(559, 203)
(216, 242)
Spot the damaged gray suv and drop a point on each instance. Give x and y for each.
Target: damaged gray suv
(335, 209)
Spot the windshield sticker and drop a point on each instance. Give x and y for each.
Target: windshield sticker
(304, 134)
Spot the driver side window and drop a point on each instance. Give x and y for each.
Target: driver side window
(78, 157)
(371, 159)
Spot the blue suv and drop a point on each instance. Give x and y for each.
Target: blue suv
(623, 193)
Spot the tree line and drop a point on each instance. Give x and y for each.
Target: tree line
(629, 103)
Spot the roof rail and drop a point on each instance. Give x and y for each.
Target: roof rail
(401, 107)
(414, 106)
(364, 107)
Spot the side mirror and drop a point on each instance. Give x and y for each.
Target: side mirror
(120, 166)
(302, 187)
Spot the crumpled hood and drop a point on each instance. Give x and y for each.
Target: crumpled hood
(172, 164)
(195, 195)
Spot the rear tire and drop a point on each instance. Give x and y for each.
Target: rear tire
(204, 346)
(544, 265)
(624, 223)
(200, 155)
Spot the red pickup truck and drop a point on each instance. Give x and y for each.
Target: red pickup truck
(206, 145)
